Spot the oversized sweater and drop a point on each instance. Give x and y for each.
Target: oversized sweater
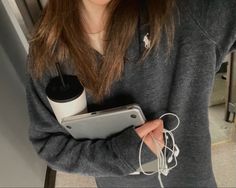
(180, 83)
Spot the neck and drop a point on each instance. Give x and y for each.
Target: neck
(94, 16)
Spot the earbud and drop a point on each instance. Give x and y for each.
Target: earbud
(176, 152)
(170, 159)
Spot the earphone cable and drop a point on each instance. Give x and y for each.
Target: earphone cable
(162, 167)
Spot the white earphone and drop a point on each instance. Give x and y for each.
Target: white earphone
(162, 167)
(176, 153)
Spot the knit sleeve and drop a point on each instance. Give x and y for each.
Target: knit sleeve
(114, 156)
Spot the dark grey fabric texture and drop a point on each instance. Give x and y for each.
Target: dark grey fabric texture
(180, 83)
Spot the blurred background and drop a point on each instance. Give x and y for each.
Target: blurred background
(21, 167)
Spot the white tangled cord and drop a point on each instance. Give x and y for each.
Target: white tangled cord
(162, 167)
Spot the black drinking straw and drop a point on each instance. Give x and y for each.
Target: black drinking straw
(60, 74)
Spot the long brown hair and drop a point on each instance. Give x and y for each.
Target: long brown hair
(59, 35)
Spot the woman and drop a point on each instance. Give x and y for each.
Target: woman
(161, 54)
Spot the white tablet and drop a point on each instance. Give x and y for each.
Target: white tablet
(104, 123)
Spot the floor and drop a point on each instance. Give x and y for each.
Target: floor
(223, 136)
(219, 92)
(224, 164)
(221, 131)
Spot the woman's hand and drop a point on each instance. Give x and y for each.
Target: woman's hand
(156, 128)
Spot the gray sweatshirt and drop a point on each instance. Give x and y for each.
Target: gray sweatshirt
(180, 83)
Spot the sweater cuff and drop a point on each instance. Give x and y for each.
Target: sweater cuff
(127, 143)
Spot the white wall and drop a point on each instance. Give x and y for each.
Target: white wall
(19, 164)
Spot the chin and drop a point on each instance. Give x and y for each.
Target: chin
(100, 2)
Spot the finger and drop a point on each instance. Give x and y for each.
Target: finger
(151, 144)
(150, 126)
(158, 132)
(155, 145)
(158, 136)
